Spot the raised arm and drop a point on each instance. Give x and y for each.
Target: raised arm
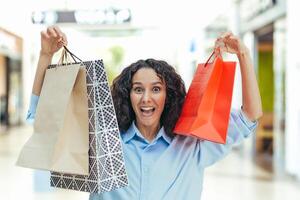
(243, 122)
(52, 40)
(252, 106)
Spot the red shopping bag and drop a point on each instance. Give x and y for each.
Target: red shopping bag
(206, 110)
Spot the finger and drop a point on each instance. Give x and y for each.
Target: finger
(217, 51)
(221, 38)
(58, 31)
(226, 35)
(224, 49)
(219, 44)
(60, 44)
(62, 35)
(232, 40)
(51, 32)
(220, 49)
(64, 39)
(45, 35)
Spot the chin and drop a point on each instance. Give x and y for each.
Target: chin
(148, 123)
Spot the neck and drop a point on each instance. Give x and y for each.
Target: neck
(149, 132)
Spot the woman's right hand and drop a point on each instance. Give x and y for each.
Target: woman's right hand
(52, 40)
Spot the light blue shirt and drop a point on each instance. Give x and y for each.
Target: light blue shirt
(166, 168)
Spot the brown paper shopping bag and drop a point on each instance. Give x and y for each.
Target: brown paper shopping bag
(60, 141)
(107, 170)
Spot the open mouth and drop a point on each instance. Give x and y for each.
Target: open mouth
(147, 111)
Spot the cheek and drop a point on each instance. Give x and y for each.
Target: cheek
(134, 100)
(161, 101)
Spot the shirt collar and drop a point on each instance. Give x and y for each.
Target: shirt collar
(129, 134)
(134, 131)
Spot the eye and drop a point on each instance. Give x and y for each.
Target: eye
(156, 89)
(138, 90)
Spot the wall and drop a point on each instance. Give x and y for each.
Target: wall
(292, 90)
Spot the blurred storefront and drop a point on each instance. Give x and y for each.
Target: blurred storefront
(264, 22)
(268, 27)
(10, 79)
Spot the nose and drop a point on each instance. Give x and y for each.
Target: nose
(146, 96)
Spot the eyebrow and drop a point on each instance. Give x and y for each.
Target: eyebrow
(153, 83)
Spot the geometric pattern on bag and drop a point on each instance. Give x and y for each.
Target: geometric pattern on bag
(106, 160)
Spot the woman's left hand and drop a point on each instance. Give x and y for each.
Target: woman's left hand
(227, 42)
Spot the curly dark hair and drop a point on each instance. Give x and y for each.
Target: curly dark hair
(175, 91)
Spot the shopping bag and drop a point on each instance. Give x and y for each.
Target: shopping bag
(106, 161)
(60, 139)
(206, 110)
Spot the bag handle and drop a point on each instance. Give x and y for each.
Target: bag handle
(214, 53)
(65, 57)
(72, 54)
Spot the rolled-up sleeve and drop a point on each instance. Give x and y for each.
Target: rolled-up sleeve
(239, 127)
(32, 109)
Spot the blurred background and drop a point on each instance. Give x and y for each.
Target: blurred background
(266, 166)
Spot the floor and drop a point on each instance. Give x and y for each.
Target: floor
(234, 178)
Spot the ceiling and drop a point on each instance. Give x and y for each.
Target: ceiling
(167, 14)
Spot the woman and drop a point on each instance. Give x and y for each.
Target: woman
(148, 96)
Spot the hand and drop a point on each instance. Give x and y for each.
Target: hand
(52, 40)
(227, 42)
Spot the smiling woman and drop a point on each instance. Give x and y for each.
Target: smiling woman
(148, 96)
(145, 91)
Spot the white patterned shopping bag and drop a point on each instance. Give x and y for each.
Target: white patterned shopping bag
(106, 161)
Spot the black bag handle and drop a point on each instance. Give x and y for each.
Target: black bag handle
(72, 55)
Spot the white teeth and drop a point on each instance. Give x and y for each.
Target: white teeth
(147, 109)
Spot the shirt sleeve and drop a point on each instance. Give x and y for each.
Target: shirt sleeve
(32, 109)
(239, 127)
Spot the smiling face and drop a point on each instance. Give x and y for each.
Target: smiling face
(147, 95)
